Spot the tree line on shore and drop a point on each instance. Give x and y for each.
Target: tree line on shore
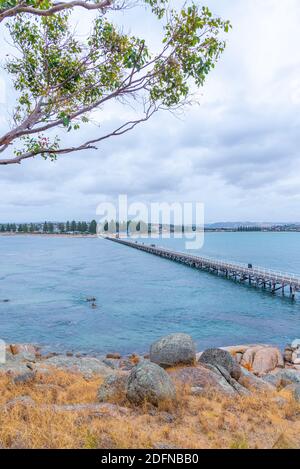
(51, 227)
(81, 227)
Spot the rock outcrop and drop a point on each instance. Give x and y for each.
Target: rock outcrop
(262, 359)
(174, 349)
(85, 365)
(23, 378)
(26, 352)
(282, 378)
(113, 388)
(149, 382)
(251, 382)
(219, 357)
(295, 391)
(202, 378)
(292, 352)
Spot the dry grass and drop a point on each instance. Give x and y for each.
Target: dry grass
(213, 421)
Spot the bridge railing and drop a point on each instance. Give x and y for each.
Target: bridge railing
(257, 270)
(268, 274)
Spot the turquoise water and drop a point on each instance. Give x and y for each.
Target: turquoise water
(139, 296)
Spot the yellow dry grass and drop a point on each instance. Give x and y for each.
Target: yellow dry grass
(213, 421)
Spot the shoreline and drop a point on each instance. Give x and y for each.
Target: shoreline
(89, 235)
(44, 352)
(50, 235)
(243, 396)
(48, 349)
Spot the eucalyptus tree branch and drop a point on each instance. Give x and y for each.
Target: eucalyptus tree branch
(28, 125)
(89, 145)
(128, 86)
(61, 80)
(22, 7)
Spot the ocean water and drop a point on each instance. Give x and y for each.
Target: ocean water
(140, 297)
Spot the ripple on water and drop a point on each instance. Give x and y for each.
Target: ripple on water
(140, 297)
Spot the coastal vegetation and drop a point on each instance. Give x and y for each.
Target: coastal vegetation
(170, 398)
(80, 227)
(112, 226)
(62, 77)
(212, 421)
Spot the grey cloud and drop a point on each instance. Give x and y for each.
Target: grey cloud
(241, 146)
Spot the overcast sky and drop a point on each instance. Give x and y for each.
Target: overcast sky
(238, 152)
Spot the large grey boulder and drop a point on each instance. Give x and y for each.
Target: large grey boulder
(218, 357)
(113, 388)
(149, 382)
(173, 349)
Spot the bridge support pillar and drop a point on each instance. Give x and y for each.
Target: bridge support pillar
(292, 292)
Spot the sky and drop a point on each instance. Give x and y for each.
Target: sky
(238, 151)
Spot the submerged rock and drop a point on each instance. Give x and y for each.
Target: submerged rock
(149, 382)
(219, 357)
(173, 349)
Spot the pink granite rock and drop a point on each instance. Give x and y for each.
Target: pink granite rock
(262, 359)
